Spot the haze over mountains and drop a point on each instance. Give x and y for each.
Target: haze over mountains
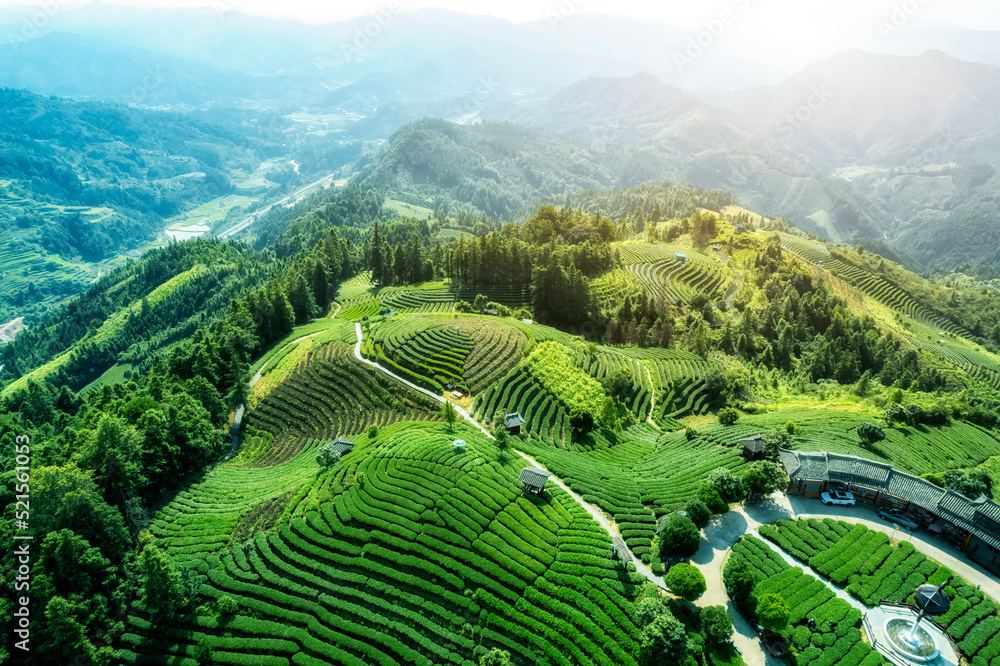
(896, 146)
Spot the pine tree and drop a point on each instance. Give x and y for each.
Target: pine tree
(378, 259)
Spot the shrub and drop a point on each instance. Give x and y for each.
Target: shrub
(729, 487)
(327, 456)
(649, 609)
(372, 431)
(717, 623)
(728, 416)
(686, 581)
(680, 537)
(894, 413)
(791, 428)
(664, 641)
(690, 433)
(227, 605)
(765, 476)
(710, 496)
(772, 611)
(936, 479)
(869, 433)
(495, 657)
(914, 414)
(698, 512)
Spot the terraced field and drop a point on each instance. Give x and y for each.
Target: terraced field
(411, 553)
(874, 286)
(872, 569)
(201, 519)
(613, 288)
(675, 279)
(404, 299)
(510, 296)
(520, 391)
(636, 476)
(609, 361)
(333, 395)
(429, 354)
(680, 380)
(923, 327)
(917, 450)
(497, 349)
(833, 636)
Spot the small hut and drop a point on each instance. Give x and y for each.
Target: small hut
(514, 422)
(533, 479)
(342, 446)
(753, 446)
(680, 256)
(459, 443)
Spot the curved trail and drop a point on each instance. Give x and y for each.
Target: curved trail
(652, 400)
(601, 519)
(744, 638)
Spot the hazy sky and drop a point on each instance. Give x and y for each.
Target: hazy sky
(805, 19)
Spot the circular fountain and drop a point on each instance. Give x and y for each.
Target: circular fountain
(910, 640)
(907, 637)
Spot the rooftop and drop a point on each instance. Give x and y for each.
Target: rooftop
(514, 420)
(534, 477)
(980, 516)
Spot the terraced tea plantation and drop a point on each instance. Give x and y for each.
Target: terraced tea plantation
(636, 476)
(409, 552)
(923, 327)
(334, 394)
(521, 392)
(822, 629)
(917, 450)
(428, 354)
(674, 273)
(872, 569)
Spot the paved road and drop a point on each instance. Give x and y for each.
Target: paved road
(252, 217)
(725, 530)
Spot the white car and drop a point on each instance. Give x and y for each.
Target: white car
(838, 497)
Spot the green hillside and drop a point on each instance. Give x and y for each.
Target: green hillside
(639, 348)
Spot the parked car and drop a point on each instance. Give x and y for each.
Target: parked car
(838, 497)
(899, 517)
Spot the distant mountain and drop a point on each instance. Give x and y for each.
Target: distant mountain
(82, 67)
(82, 181)
(879, 109)
(858, 146)
(497, 169)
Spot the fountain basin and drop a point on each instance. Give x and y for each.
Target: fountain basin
(919, 647)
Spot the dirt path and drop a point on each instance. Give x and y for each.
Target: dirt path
(652, 400)
(256, 378)
(749, 648)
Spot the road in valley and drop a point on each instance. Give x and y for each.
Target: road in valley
(247, 221)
